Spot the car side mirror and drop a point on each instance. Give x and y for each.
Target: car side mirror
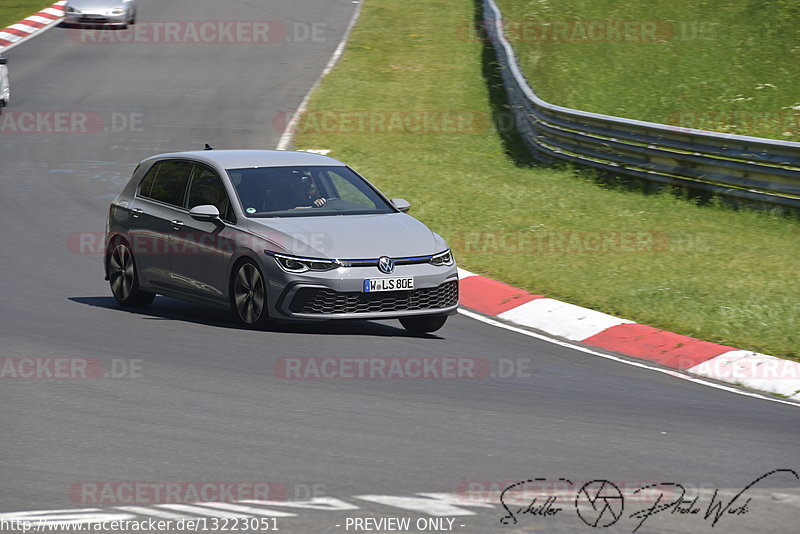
(401, 204)
(206, 212)
(3, 61)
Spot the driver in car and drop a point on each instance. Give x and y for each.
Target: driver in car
(305, 197)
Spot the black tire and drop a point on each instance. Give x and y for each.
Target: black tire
(123, 279)
(249, 295)
(423, 324)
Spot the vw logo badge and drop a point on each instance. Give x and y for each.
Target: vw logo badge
(385, 264)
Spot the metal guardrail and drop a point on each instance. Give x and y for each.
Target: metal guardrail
(752, 168)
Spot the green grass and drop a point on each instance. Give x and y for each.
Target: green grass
(709, 272)
(12, 11)
(728, 66)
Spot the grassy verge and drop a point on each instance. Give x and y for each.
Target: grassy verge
(724, 66)
(725, 276)
(15, 10)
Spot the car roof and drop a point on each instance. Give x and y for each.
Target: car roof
(237, 159)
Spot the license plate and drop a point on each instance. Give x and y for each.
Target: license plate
(373, 285)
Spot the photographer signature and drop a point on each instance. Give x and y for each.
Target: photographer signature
(600, 503)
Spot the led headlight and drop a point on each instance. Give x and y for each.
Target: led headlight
(442, 259)
(71, 9)
(294, 264)
(117, 11)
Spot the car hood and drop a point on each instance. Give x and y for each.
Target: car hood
(349, 236)
(95, 4)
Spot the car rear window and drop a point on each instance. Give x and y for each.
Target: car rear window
(147, 183)
(169, 185)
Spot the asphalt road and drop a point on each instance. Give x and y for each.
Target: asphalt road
(200, 399)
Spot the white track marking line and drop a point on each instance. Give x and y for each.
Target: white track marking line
(670, 372)
(249, 510)
(436, 504)
(196, 510)
(65, 517)
(141, 510)
(288, 132)
(330, 504)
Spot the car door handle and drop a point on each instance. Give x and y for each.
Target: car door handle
(177, 224)
(135, 212)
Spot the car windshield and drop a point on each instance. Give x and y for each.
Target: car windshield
(305, 191)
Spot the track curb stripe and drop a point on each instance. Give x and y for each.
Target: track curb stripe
(660, 346)
(492, 297)
(33, 25)
(599, 330)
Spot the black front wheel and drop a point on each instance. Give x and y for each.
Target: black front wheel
(423, 324)
(249, 295)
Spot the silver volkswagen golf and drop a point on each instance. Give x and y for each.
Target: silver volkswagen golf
(275, 235)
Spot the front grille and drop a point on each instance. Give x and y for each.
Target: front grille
(325, 301)
(410, 260)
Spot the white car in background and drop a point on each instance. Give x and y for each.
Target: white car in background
(5, 89)
(100, 12)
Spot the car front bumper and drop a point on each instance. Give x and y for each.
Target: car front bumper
(90, 19)
(338, 294)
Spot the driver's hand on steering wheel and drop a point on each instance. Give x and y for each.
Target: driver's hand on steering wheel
(319, 202)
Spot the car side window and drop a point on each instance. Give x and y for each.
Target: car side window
(207, 188)
(147, 183)
(170, 183)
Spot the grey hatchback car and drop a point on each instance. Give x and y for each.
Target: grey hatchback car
(275, 235)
